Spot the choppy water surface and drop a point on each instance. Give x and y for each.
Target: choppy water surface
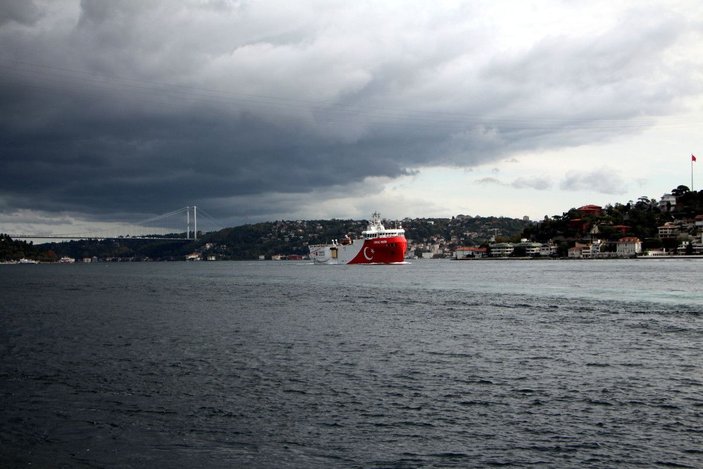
(433, 364)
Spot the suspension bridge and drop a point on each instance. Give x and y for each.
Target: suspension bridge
(178, 225)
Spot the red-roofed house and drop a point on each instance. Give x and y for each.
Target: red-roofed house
(594, 210)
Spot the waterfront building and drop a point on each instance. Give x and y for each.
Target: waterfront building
(697, 245)
(591, 250)
(501, 249)
(576, 252)
(531, 249)
(548, 249)
(469, 253)
(628, 246)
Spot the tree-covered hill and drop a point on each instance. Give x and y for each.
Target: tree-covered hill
(287, 237)
(14, 250)
(464, 230)
(292, 237)
(640, 219)
(122, 249)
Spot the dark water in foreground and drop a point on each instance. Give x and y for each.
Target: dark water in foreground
(434, 364)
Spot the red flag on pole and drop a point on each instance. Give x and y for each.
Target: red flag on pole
(693, 157)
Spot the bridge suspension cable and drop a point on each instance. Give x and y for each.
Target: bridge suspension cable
(147, 228)
(211, 218)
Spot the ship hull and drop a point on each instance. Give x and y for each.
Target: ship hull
(390, 250)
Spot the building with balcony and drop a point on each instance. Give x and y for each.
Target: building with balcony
(501, 249)
(668, 230)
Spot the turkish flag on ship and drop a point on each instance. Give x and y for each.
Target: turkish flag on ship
(693, 157)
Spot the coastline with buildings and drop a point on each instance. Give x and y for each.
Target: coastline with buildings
(670, 227)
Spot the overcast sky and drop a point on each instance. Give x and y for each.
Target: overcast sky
(121, 110)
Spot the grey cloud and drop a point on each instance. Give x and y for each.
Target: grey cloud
(27, 217)
(20, 11)
(601, 180)
(131, 107)
(489, 180)
(597, 85)
(539, 183)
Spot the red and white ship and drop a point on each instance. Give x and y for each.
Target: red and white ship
(377, 245)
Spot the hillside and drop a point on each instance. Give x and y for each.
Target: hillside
(640, 219)
(14, 250)
(283, 237)
(293, 237)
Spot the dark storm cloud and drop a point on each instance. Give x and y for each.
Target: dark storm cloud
(20, 11)
(143, 106)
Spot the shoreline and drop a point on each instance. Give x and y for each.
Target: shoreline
(575, 258)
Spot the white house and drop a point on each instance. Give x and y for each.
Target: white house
(501, 249)
(548, 249)
(591, 250)
(667, 202)
(531, 249)
(698, 245)
(628, 246)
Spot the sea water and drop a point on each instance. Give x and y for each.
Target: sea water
(287, 364)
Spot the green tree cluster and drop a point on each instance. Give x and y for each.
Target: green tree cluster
(641, 219)
(14, 250)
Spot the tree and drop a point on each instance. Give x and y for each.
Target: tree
(519, 251)
(680, 190)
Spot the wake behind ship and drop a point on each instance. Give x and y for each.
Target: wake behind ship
(377, 245)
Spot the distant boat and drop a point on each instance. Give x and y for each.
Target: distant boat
(377, 245)
(28, 261)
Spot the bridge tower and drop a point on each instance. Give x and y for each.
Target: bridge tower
(195, 222)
